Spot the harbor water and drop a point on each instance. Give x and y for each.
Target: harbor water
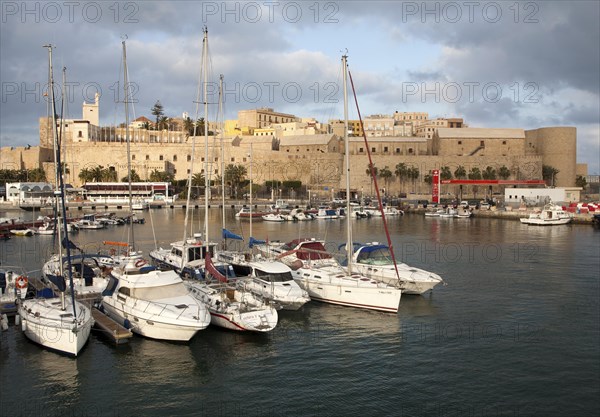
(515, 332)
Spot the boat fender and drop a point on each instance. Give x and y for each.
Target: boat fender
(127, 324)
(139, 263)
(21, 282)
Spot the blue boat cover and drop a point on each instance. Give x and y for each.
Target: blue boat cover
(255, 242)
(229, 235)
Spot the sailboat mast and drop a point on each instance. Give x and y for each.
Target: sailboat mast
(62, 117)
(61, 193)
(51, 107)
(250, 157)
(349, 246)
(205, 99)
(222, 152)
(126, 102)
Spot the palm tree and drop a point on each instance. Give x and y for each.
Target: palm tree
(235, 176)
(460, 173)
(96, 173)
(401, 172)
(386, 174)
(135, 177)
(109, 174)
(445, 173)
(489, 173)
(161, 176)
(428, 178)
(549, 174)
(413, 174)
(475, 174)
(503, 172)
(368, 172)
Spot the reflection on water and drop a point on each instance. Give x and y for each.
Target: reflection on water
(519, 300)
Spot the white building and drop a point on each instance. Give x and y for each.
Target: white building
(541, 196)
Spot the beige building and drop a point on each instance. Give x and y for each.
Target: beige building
(314, 158)
(263, 117)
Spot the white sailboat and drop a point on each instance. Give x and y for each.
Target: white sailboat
(152, 303)
(375, 261)
(230, 306)
(331, 283)
(61, 324)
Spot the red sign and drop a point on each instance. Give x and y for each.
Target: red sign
(435, 186)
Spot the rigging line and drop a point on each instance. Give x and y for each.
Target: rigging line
(385, 226)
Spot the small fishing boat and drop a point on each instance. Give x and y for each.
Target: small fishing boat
(550, 215)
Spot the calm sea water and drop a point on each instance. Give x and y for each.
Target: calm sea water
(514, 333)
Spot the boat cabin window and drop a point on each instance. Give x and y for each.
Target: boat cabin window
(161, 292)
(176, 252)
(199, 252)
(124, 291)
(274, 276)
(376, 256)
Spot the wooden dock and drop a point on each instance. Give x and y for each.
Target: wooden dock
(111, 328)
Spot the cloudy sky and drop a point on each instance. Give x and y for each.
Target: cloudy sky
(521, 64)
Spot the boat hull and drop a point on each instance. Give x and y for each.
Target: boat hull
(385, 299)
(149, 326)
(50, 329)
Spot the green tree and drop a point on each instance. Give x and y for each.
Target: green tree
(109, 175)
(235, 176)
(198, 179)
(385, 173)
(36, 175)
(368, 172)
(158, 112)
(460, 173)
(475, 174)
(549, 174)
(580, 181)
(428, 178)
(445, 173)
(161, 176)
(503, 172)
(401, 171)
(413, 174)
(489, 173)
(85, 175)
(135, 177)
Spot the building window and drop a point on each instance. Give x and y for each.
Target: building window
(385, 149)
(133, 157)
(232, 159)
(410, 150)
(189, 158)
(397, 150)
(80, 134)
(360, 150)
(216, 159)
(373, 150)
(174, 171)
(160, 157)
(482, 143)
(202, 159)
(504, 142)
(460, 142)
(243, 159)
(174, 157)
(188, 171)
(147, 157)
